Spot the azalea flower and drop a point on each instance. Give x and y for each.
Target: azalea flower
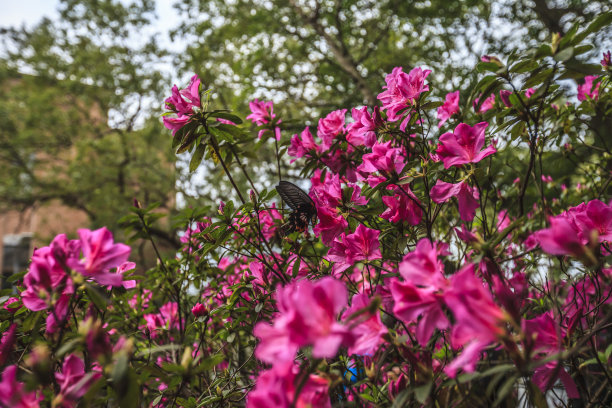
(367, 327)
(100, 255)
(383, 158)
(362, 130)
(182, 102)
(464, 145)
(262, 113)
(402, 90)
(330, 127)
(467, 197)
(478, 320)
(586, 90)
(306, 316)
(73, 382)
(302, 145)
(450, 107)
(13, 393)
(277, 387)
(359, 246)
(487, 104)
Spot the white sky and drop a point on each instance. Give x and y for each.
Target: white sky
(15, 13)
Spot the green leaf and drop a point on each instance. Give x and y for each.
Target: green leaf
(227, 116)
(210, 362)
(524, 66)
(600, 22)
(538, 78)
(196, 158)
(564, 54)
(432, 105)
(422, 393)
(487, 66)
(505, 390)
(96, 297)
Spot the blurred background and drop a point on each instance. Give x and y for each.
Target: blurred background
(82, 85)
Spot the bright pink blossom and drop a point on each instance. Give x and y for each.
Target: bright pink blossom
(529, 92)
(450, 107)
(403, 206)
(302, 145)
(182, 103)
(13, 393)
(464, 145)
(367, 327)
(487, 104)
(586, 90)
(595, 216)
(330, 127)
(383, 158)
(277, 386)
(467, 197)
(307, 313)
(478, 320)
(362, 130)
(561, 238)
(262, 113)
(100, 255)
(544, 337)
(268, 221)
(359, 246)
(402, 90)
(73, 381)
(606, 61)
(199, 310)
(331, 224)
(423, 266)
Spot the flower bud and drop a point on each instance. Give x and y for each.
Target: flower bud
(199, 310)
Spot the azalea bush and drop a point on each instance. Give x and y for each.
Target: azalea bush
(459, 257)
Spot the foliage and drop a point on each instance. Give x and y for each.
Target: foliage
(450, 266)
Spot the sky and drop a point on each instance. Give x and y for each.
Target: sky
(29, 12)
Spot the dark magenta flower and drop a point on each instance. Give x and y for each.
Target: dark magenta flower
(262, 113)
(464, 145)
(367, 327)
(330, 127)
(302, 145)
(586, 90)
(402, 90)
(450, 107)
(100, 255)
(487, 104)
(199, 310)
(383, 158)
(13, 393)
(362, 130)
(73, 382)
(467, 197)
(307, 313)
(403, 206)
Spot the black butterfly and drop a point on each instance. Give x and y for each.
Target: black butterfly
(304, 210)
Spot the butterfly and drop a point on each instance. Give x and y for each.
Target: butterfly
(304, 210)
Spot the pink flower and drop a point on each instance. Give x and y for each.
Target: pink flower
(586, 89)
(362, 130)
(488, 104)
(450, 107)
(383, 158)
(403, 206)
(561, 238)
(46, 279)
(478, 320)
(359, 246)
(277, 386)
(529, 92)
(544, 337)
(330, 127)
(367, 327)
(423, 266)
(402, 90)
(199, 310)
(7, 342)
(412, 303)
(467, 197)
(262, 113)
(13, 394)
(302, 145)
(504, 95)
(606, 60)
(331, 224)
(123, 268)
(101, 255)
(182, 102)
(596, 216)
(267, 220)
(306, 316)
(73, 381)
(464, 145)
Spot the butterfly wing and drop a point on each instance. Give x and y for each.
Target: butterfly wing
(294, 196)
